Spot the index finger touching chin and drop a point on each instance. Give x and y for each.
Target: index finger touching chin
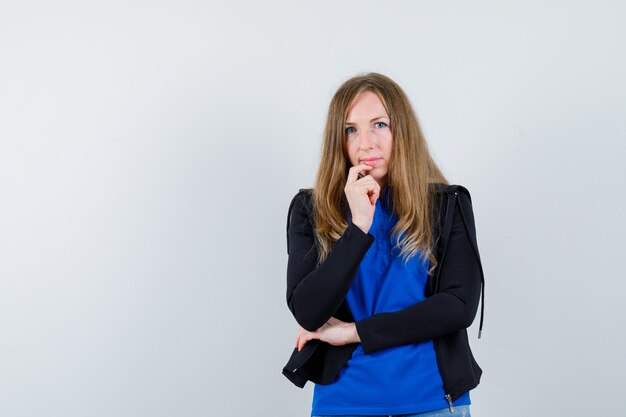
(353, 172)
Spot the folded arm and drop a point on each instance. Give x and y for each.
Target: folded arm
(452, 308)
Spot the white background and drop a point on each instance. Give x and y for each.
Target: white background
(149, 151)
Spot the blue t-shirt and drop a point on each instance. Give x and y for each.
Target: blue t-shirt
(398, 380)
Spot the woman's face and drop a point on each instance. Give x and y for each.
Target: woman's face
(368, 135)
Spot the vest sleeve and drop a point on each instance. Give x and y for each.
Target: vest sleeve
(315, 292)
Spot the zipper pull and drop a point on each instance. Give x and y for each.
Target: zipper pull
(449, 399)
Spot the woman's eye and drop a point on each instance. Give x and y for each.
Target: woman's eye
(381, 125)
(350, 130)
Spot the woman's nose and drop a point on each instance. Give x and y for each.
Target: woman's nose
(366, 139)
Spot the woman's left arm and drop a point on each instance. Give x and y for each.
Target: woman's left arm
(452, 308)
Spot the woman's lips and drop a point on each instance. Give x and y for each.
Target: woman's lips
(371, 161)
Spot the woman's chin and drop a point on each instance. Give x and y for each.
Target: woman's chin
(380, 179)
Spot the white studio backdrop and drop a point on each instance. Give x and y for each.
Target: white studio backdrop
(149, 151)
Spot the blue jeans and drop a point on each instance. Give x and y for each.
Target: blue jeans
(459, 411)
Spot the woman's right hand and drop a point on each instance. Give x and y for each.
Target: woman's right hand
(362, 194)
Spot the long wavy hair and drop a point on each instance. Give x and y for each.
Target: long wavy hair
(411, 171)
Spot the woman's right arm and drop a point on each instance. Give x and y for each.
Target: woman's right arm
(314, 293)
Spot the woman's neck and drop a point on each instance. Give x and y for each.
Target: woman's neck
(383, 186)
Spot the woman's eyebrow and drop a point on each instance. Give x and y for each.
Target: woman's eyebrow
(375, 118)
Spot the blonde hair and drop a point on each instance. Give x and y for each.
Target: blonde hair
(410, 174)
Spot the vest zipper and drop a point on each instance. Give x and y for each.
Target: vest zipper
(449, 399)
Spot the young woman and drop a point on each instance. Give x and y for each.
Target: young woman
(384, 274)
